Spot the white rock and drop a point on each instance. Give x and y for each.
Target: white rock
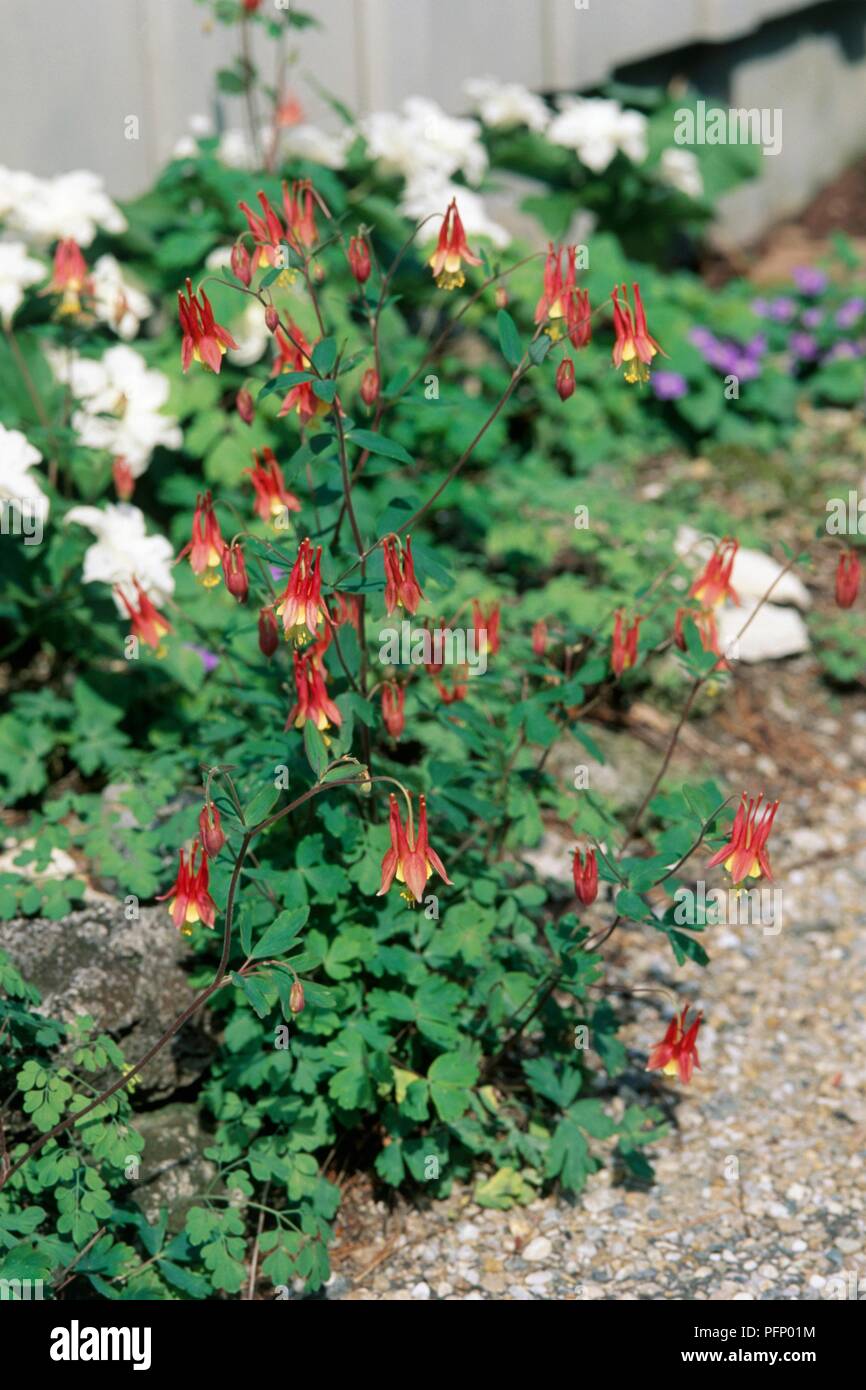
(538, 1249)
(752, 574)
(421, 1290)
(772, 634)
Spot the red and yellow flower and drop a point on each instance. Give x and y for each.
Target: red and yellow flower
(313, 701)
(393, 701)
(206, 547)
(273, 498)
(745, 854)
(301, 606)
(294, 354)
(451, 251)
(633, 344)
(677, 1053)
(190, 900)
(713, 584)
(410, 859)
(624, 643)
(70, 277)
(401, 587)
(486, 627)
(204, 340)
(148, 624)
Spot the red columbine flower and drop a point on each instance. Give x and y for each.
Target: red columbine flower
(206, 548)
(313, 701)
(294, 355)
(370, 386)
(578, 319)
(486, 628)
(393, 700)
(69, 277)
(272, 495)
(677, 1053)
(713, 584)
(269, 634)
(565, 379)
(847, 578)
(124, 478)
(147, 623)
(624, 646)
(539, 638)
(235, 572)
(745, 854)
(301, 606)
(211, 831)
(242, 266)
(704, 620)
(300, 212)
(190, 899)
(347, 610)
(401, 586)
(410, 859)
(458, 689)
(585, 876)
(557, 290)
(633, 344)
(359, 259)
(451, 251)
(203, 340)
(268, 235)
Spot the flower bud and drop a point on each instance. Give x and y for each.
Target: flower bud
(269, 636)
(565, 379)
(210, 830)
(241, 264)
(235, 572)
(501, 297)
(296, 998)
(245, 405)
(359, 259)
(370, 386)
(272, 319)
(124, 479)
(585, 877)
(847, 578)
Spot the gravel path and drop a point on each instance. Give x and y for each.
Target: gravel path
(759, 1190)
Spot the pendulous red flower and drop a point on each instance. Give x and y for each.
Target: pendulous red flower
(578, 319)
(585, 876)
(313, 701)
(206, 548)
(70, 277)
(713, 584)
(401, 586)
(294, 355)
(269, 633)
(147, 623)
(211, 831)
(190, 900)
(486, 627)
(565, 379)
(301, 606)
(847, 578)
(359, 259)
(745, 854)
(393, 700)
(235, 572)
(539, 638)
(451, 251)
(633, 344)
(273, 499)
(410, 859)
(204, 340)
(624, 645)
(677, 1053)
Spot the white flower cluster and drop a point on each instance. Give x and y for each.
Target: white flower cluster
(45, 210)
(120, 402)
(18, 489)
(124, 552)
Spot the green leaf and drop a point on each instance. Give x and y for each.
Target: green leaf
(451, 1076)
(377, 444)
(509, 338)
(281, 933)
(324, 355)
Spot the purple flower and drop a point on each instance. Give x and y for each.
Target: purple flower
(757, 346)
(841, 352)
(782, 310)
(803, 345)
(746, 368)
(812, 318)
(669, 386)
(702, 338)
(850, 312)
(809, 279)
(761, 307)
(209, 660)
